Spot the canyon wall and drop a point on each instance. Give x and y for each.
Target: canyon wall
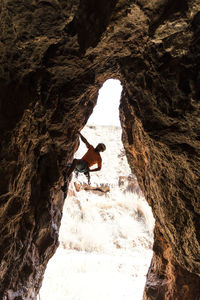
(55, 55)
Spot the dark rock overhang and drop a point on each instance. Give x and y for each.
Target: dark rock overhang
(54, 57)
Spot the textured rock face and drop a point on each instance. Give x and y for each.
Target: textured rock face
(166, 279)
(55, 55)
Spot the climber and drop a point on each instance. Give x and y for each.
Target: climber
(91, 157)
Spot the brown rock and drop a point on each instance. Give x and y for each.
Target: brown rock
(54, 57)
(100, 190)
(166, 279)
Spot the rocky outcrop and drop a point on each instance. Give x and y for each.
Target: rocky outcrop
(55, 55)
(166, 279)
(161, 136)
(99, 190)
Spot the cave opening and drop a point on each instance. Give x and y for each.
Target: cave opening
(106, 234)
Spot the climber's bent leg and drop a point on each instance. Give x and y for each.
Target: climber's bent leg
(87, 174)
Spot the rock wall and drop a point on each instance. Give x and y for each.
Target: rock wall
(166, 279)
(55, 55)
(161, 137)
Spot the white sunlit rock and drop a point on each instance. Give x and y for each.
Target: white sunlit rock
(105, 241)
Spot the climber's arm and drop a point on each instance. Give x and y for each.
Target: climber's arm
(84, 140)
(99, 164)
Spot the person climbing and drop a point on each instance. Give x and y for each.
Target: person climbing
(91, 157)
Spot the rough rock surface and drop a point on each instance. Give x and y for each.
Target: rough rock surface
(166, 279)
(55, 54)
(100, 190)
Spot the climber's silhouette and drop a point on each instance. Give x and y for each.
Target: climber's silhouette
(91, 157)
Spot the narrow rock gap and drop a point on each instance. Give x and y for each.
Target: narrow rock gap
(106, 234)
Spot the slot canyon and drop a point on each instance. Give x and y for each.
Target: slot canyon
(54, 57)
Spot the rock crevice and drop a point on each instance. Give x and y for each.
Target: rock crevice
(55, 55)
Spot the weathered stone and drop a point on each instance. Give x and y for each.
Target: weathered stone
(100, 190)
(54, 56)
(166, 279)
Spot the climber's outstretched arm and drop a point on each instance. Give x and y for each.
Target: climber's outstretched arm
(84, 140)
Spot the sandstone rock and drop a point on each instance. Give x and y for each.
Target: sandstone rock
(100, 190)
(166, 279)
(54, 57)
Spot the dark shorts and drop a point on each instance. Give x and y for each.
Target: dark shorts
(82, 166)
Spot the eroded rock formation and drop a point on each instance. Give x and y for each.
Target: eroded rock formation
(55, 54)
